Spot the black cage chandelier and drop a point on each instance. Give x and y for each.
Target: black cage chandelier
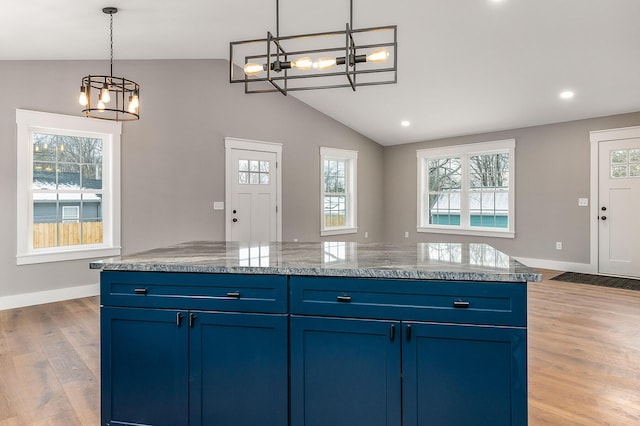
(107, 97)
(349, 58)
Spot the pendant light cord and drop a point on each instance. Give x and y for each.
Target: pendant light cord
(111, 43)
(351, 13)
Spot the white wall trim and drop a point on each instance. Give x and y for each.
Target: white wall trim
(48, 296)
(555, 265)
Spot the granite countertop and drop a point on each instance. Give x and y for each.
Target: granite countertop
(427, 261)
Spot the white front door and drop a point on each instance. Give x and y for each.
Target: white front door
(252, 191)
(619, 207)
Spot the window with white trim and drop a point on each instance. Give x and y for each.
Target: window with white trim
(467, 189)
(68, 187)
(338, 191)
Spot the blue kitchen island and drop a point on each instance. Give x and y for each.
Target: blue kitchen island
(314, 334)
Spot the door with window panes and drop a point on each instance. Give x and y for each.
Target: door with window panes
(253, 196)
(619, 204)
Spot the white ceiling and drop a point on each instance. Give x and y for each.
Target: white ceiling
(464, 66)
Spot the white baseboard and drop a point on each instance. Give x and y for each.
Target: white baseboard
(584, 268)
(49, 296)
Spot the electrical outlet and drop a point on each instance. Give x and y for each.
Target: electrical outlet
(558, 245)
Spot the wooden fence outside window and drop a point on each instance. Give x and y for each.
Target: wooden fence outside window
(68, 234)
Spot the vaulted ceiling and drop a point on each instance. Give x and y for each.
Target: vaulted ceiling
(464, 66)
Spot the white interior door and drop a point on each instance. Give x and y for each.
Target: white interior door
(252, 192)
(619, 207)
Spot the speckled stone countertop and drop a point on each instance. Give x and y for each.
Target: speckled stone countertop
(424, 261)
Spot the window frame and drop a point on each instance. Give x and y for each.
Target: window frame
(465, 151)
(30, 122)
(350, 157)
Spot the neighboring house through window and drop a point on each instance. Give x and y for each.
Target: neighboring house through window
(467, 189)
(68, 187)
(338, 191)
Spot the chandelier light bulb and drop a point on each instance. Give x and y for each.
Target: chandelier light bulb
(105, 96)
(134, 103)
(380, 55)
(324, 63)
(82, 99)
(253, 69)
(304, 63)
(101, 105)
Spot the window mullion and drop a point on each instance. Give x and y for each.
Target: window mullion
(465, 214)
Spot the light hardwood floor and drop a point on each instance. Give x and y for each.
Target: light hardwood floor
(584, 359)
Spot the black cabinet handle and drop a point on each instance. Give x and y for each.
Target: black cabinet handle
(179, 317)
(233, 294)
(408, 332)
(344, 299)
(140, 291)
(392, 332)
(460, 304)
(192, 319)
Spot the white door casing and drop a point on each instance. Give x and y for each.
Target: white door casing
(616, 204)
(252, 191)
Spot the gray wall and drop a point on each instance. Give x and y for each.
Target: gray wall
(173, 158)
(552, 172)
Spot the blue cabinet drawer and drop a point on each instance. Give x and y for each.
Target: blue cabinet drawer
(495, 303)
(216, 292)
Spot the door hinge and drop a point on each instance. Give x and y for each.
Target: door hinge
(276, 209)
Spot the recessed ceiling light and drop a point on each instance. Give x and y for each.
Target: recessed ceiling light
(567, 94)
(405, 123)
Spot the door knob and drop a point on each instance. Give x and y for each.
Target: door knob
(235, 211)
(603, 217)
(604, 209)
(235, 220)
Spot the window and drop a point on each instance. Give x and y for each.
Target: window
(467, 189)
(253, 172)
(68, 187)
(338, 191)
(624, 163)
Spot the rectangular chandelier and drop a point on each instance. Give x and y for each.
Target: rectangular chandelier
(328, 60)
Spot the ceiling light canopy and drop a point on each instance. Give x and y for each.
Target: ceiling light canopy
(107, 97)
(334, 59)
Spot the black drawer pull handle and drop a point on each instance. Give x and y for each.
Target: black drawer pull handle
(460, 304)
(344, 299)
(140, 291)
(234, 294)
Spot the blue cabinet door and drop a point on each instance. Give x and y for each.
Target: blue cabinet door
(239, 369)
(344, 372)
(463, 375)
(144, 362)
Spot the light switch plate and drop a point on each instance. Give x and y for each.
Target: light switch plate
(583, 202)
(218, 205)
